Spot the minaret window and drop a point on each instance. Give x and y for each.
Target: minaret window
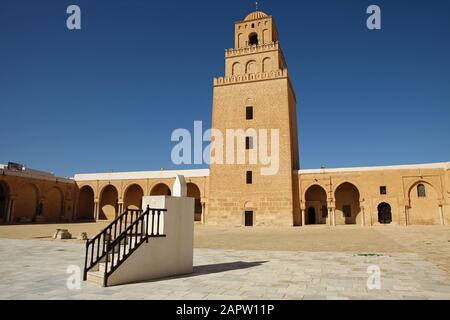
(251, 67)
(253, 39)
(249, 113)
(249, 143)
(249, 177)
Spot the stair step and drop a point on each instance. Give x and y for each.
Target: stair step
(96, 277)
(102, 265)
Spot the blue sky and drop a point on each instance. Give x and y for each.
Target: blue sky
(109, 96)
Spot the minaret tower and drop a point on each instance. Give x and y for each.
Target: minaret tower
(255, 93)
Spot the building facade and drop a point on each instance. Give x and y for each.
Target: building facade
(255, 93)
(35, 196)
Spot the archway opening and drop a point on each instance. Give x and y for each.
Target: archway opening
(4, 198)
(161, 189)
(384, 213)
(347, 204)
(193, 191)
(316, 198)
(53, 205)
(26, 205)
(253, 39)
(133, 197)
(86, 205)
(251, 67)
(424, 204)
(108, 203)
(311, 215)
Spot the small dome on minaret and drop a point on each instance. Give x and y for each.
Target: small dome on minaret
(256, 15)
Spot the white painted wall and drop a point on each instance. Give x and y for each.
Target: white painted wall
(162, 257)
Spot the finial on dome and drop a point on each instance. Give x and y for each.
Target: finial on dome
(257, 6)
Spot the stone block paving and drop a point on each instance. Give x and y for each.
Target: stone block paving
(34, 269)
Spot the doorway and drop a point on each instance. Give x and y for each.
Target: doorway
(249, 218)
(384, 213)
(311, 215)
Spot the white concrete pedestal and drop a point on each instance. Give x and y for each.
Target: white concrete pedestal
(162, 257)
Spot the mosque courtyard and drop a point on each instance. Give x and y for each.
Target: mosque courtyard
(316, 262)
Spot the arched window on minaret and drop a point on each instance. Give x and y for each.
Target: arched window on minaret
(236, 69)
(251, 67)
(266, 65)
(240, 40)
(253, 39)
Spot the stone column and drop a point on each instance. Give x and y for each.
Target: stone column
(303, 218)
(119, 209)
(441, 215)
(96, 210)
(363, 217)
(333, 210)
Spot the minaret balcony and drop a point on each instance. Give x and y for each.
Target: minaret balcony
(251, 49)
(278, 74)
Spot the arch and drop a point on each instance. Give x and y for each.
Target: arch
(161, 189)
(236, 69)
(4, 200)
(249, 205)
(193, 191)
(133, 197)
(250, 68)
(27, 203)
(86, 205)
(266, 65)
(423, 210)
(266, 36)
(240, 40)
(384, 213)
(109, 198)
(347, 203)
(428, 184)
(316, 198)
(253, 39)
(53, 205)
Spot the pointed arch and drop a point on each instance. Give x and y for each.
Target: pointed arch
(423, 201)
(316, 205)
(347, 197)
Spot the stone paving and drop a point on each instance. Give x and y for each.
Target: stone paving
(36, 269)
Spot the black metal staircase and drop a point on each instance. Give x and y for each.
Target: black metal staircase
(111, 248)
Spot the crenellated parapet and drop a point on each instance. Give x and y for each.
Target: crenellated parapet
(278, 74)
(252, 49)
